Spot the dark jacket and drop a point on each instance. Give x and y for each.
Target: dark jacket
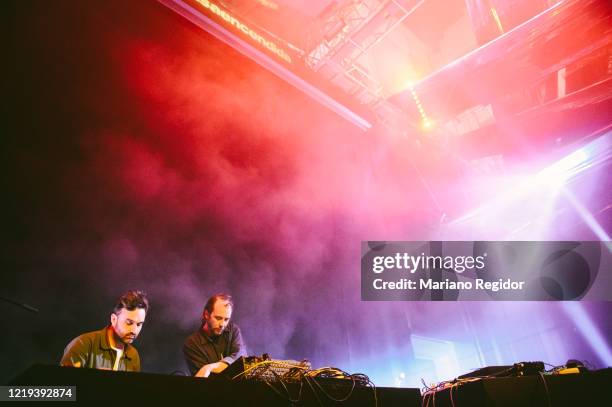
(201, 349)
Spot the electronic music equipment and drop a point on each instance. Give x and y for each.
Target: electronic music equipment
(518, 369)
(265, 368)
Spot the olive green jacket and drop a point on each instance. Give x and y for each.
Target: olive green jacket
(92, 350)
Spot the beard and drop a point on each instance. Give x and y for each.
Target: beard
(128, 338)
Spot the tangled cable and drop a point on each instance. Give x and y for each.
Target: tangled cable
(318, 380)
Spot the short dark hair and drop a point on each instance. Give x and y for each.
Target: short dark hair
(131, 300)
(210, 304)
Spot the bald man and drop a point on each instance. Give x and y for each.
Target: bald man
(218, 342)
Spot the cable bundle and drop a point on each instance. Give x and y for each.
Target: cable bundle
(318, 380)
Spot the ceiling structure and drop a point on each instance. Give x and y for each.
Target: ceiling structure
(450, 66)
(357, 52)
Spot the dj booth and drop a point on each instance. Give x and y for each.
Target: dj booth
(94, 387)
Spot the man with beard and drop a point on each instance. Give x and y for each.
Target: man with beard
(111, 347)
(218, 342)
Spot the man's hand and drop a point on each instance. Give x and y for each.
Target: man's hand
(205, 370)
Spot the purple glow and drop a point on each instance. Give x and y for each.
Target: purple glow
(507, 195)
(445, 340)
(589, 331)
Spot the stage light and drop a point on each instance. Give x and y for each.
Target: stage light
(559, 172)
(588, 218)
(547, 191)
(427, 124)
(589, 331)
